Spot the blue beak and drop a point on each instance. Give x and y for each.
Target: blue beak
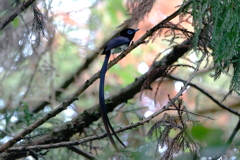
(136, 30)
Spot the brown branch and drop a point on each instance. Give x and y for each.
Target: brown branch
(66, 103)
(67, 82)
(222, 151)
(87, 139)
(96, 137)
(71, 78)
(131, 47)
(208, 95)
(189, 112)
(10, 18)
(89, 116)
(29, 129)
(81, 152)
(189, 79)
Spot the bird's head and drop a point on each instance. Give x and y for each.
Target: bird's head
(128, 32)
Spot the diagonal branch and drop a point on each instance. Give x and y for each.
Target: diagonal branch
(71, 78)
(96, 137)
(68, 81)
(149, 33)
(81, 89)
(10, 18)
(90, 138)
(219, 153)
(90, 115)
(82, 152)
(208, 95)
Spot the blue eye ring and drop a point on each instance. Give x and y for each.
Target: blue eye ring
(129, 32)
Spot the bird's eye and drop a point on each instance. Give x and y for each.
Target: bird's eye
(130, 32)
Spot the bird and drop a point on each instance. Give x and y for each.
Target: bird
(115, 45)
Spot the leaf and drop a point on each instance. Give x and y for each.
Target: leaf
(15, 22)
(28, 116)
(126, 74)
(199, 132)
(211, 137)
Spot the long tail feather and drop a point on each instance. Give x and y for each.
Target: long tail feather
(103, 108)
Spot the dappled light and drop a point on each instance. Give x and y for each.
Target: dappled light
(171, 89)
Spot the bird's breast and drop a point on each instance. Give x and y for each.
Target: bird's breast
(119, 49)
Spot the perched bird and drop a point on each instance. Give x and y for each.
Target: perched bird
(115, 45)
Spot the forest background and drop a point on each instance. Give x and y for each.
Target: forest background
(173, 94)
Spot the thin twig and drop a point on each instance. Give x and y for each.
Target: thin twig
(39, 122)
(222, 152)
(84, 140)
(82, 152)
(208, 95)
(96, 137)
(199, 115)
(131, 47)
(87, 117)
(81, 89)
(186, 83)
(10, 18)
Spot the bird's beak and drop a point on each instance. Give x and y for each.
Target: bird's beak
(137, 30)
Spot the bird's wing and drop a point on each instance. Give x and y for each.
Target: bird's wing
(116, 42)
(103, 108)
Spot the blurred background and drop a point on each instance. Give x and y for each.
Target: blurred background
(40, 68)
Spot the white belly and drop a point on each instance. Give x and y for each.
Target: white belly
(119, 49)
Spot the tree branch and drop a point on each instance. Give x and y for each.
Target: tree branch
(87, 139)
(90, 115)
(71, 78)
(66, 103)
(29, 129)
(10, 18)
(83, 153)
(226, 146)
(208, 95)
(96, 137)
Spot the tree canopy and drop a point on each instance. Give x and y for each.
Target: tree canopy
(172, 94)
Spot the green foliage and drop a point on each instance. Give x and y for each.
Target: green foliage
(15, 22)
(181, 142)
(127, 74)
(114, 7)
(212, 139)
(225, 39)
(209, 136)
(28, 116)
(222, 22)
(235, 83)
(111, 15)
(68, 53)
(3, 13)
(145, 151)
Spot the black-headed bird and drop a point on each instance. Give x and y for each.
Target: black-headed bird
(115, 45)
